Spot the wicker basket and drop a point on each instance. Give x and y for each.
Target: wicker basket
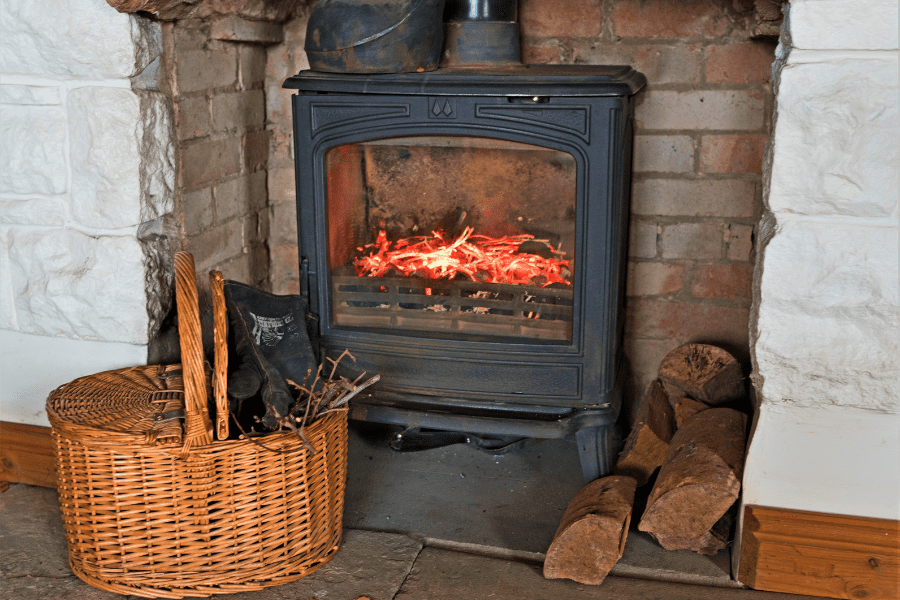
(158, 510)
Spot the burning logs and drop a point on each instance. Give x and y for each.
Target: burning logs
(699, 481)
(476, 257)
(591, 537)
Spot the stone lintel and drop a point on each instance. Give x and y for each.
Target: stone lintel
(236, 29)
(276, 11)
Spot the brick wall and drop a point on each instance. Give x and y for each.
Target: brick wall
(702, 124)
(284, 60)
(214, 74)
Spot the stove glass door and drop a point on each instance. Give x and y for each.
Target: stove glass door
(457, 235)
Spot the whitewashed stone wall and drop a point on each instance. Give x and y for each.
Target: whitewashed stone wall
(826, 333)
(86, 183)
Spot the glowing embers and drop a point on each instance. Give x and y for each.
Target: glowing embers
(476, 257)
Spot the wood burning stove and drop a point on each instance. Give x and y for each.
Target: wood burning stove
(463, 233)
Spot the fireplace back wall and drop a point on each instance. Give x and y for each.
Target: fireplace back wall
(701, 125)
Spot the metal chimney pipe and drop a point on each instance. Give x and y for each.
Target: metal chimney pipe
(481, 33)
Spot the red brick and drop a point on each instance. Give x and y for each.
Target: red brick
(692, 240)
(694, 197)
(725, 282)
(198, 70)
(252, 66)
(687, 322)
(642, 236)
(561, 18)
(738, 242)
(732, 153)
(543, 54)
(740, 63)
(701, 109)
(663, 154)
(235, 269)
(217, 245)
(198, 210)
(284, 269)
(282, 185)
(208, 161)
(661, 63)
(643, 357)
(256, 149)
(192, 118)
(283, 223)
(238, 110)
(654, 278)
(669, 18)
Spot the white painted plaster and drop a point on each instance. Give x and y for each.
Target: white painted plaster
(836, 139)
(70, 39)
(828, 332)
(825, 340)
(33, 152)
(844, 24)
(86, 184)
(827, 459)
(33, 366)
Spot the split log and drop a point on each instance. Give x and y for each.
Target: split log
(646, 446)
(702, 372)
(685, 408)
(709, 543)
(699, 480)
(591, 537)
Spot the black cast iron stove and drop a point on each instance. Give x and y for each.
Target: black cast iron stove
(480, 156)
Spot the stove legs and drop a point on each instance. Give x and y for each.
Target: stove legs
(596, 451)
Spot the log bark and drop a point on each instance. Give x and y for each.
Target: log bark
(646, 446)
(709, 543)
(685, 408)
(591, 537)
(699, 480)
(702, 372)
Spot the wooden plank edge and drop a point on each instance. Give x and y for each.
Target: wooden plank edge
(818, 554)
(26, 455)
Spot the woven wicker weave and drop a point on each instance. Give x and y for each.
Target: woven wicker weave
(154, 512)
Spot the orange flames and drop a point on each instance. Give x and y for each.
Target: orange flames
(478, 257)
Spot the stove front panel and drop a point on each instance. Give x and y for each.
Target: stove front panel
(379, 173)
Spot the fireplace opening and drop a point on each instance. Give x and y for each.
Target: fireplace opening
(456, 235)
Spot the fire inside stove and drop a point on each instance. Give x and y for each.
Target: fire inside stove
(477, 257)
(497, 261)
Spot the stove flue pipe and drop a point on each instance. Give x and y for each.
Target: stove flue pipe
(481, 33)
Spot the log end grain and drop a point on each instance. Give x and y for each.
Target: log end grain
(591, 537)
(703, 372)
(701, 476)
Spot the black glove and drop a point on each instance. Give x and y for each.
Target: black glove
(271, 344)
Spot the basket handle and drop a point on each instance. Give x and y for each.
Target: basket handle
(197, 426)
(220, 350)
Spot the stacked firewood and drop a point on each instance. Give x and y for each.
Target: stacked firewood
(691, 428)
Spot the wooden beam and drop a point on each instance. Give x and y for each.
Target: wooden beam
(26, 455)
(817, 554)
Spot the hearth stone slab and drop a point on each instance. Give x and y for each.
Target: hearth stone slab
(446, 575)
(32, 540)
